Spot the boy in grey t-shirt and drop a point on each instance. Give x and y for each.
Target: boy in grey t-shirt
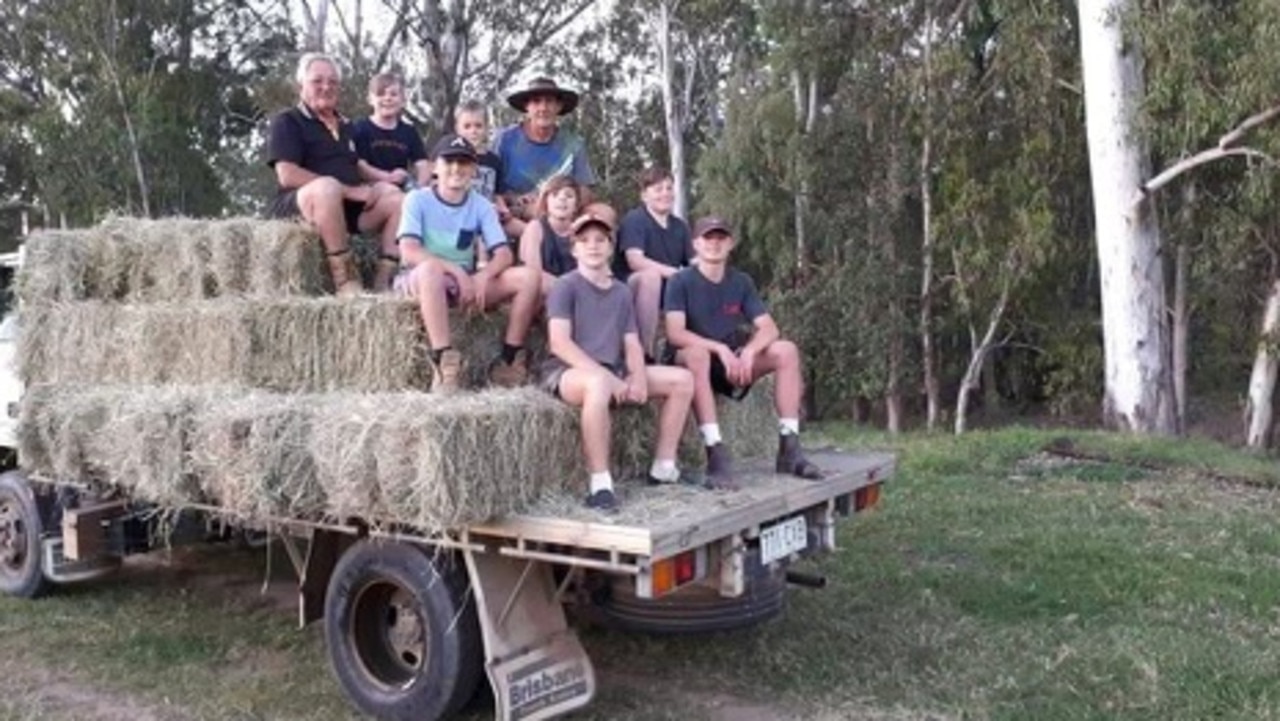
(596, 361)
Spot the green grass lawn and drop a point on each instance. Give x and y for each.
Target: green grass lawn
(994, 581)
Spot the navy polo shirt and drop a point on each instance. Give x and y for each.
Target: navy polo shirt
(298, 136)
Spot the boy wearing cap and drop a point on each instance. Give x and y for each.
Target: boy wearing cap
(708, 307)
(596, 361)
(438, 232)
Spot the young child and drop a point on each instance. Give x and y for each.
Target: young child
(596, 361)
(385, 141)
(389, 146)
(547, 245)
(471, 121)
(706, 307)
(655, 244)
(439, 227)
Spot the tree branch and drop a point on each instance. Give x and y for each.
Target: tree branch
(1249, 123)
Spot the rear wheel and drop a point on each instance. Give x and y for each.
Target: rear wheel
(403, 636)
(21, 531)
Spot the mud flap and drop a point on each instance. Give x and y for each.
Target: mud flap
(537, 666)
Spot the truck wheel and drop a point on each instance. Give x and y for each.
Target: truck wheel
(403, 636)
(21, 531)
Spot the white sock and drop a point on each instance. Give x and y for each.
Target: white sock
(602, 481)
(789, 426)
(665, 471)
(710, 433)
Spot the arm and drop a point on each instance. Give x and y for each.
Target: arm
(422, 172)
(371, 174)
(679, 335)
(293, 176)
(766, 333)
(638, 261)
(531, 246)
(637, 382)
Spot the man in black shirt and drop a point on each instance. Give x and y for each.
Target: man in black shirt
(321, 179)
(723, 333)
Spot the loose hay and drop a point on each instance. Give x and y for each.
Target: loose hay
(410, 459)
(172, 260)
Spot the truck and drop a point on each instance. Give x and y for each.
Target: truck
(416, 621)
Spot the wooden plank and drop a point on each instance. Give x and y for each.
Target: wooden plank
(660, 522)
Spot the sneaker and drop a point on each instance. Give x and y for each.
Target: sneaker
(510, 375)
(791, 459)
(446, 376)
(655, 481)
(603, 500)
(719, 469)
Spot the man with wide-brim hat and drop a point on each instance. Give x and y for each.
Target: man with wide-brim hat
(537, 148)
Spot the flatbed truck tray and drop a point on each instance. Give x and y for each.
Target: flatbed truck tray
(660, 521)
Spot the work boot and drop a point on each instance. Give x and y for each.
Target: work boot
(719, 469)
(791, 459)
(446, 376)
(510, 375)
(346, 280)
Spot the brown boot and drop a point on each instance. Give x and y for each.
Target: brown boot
(388, 266)
(791, 459)
(346, 281)
(719, 469)
(510, 375)
(446, 376)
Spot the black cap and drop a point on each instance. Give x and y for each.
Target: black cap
(454, 146)
(710, 224)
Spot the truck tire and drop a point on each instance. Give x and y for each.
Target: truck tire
(21, 534)
(402, 632)
(693, 610)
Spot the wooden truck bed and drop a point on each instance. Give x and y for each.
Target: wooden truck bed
(657, 522)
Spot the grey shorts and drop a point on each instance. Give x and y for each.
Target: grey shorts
(550, 379)
(404, 285)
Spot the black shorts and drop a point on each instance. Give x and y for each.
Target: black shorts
(720, 382)
(285, 206)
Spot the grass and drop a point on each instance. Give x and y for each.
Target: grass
(994, 581)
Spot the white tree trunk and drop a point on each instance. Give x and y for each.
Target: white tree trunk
(932, 390)
(672, 112)
(1262, 382)
(980, 350)
(1139, 396)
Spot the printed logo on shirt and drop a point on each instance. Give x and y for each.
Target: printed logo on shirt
(731, 309)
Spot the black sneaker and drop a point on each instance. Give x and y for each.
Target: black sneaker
(603, 500)
(719, 469)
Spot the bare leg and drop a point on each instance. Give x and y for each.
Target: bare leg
(675, 387)
(383, 217)
(698, 361)
(427, 284)
(320, 202)
(646, 286)
(782, 358)
(591, 391)
(520, 285)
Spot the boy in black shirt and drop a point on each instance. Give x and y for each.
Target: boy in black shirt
(386, 141)
(707, 307)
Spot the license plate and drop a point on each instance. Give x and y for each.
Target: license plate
(783, 539)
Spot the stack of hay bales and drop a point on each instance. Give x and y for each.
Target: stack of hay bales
(204, 362)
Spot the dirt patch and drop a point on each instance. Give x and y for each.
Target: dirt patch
(46, 693)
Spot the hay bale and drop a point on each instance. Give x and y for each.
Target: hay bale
(173, 260)
(251, 452)
(305, 345)
(435, 463)
(408, 459)
(130, 438)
